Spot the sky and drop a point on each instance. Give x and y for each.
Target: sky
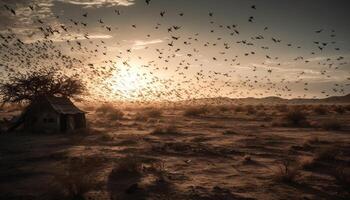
(126, 49)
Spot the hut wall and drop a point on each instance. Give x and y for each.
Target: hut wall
(42, 119)
(80, 121)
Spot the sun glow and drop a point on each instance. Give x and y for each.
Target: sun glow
(129, 82)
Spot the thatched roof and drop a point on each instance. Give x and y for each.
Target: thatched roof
(63, 105)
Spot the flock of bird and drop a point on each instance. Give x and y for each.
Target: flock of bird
(174, 69)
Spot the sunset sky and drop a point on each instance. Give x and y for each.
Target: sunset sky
(125, 49)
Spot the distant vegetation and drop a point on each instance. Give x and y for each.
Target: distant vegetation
(109, 111)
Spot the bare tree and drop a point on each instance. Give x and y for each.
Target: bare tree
(26, 87)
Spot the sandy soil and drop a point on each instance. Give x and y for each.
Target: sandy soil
(217, 155)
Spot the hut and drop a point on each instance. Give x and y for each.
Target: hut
(51, 114)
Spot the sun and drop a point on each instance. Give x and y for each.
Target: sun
(128, 81)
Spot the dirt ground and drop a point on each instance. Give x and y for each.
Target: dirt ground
(223, 153)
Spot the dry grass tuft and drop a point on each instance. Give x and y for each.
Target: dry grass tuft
(332, 125)
(224, 108)
(310, 141)
(229, 132)
(105, 108)
(150, 112)
(250, 110)
(159, 169)
(282, 108)
(105, 137)
(153, 112)
(110, 112)
(296, 117)
(78, 177)
(327, 154)
(166, 129)
(127, 166)
(288, 171)
(324, 155)
(124, 178)
(195, 111)
(342, 175)
(320, 110)
(339, 109)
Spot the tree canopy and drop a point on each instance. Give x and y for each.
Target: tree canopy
(26, 87)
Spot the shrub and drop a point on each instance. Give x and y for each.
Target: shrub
(116, 114)
(105, 108)
(282, 108)
(195, 111)
(288, 171)
(332, 124)
(161, 130)
(147, 113)
(250, 109)
(342, 175)
(262, 114)
(238, 108)
(110, 112)
(312, 140)
(326, 154)
(321, 110)
(347, 107)
(77, 178)
(339, 109)
(229, 132)
(140, 117)
(224, 108)
(260, 107)
(153, 112)
(158, 168)
(105, 137)
(128, 165)
(296, 117)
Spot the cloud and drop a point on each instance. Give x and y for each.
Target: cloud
(78, 36)
(25, 17)
(141, 44)
(99, 3)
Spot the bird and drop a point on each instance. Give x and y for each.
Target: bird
(147, 2)
(251, 18)
(13, 11)
(319, 31)
(176, 27)
(162, 13)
